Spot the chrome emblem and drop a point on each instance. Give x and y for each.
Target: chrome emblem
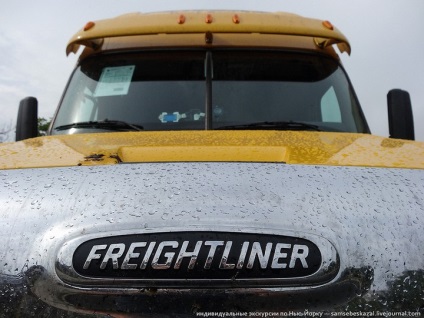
(190, 258)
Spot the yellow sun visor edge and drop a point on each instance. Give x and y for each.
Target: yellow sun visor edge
(93, 33)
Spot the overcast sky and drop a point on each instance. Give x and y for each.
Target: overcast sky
(386, 38)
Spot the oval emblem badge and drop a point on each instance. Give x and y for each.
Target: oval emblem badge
(193, 258)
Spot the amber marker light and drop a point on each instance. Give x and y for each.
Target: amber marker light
(328, 25)
(236, 19)
(89, 25)
(208, 18)
(181, 19)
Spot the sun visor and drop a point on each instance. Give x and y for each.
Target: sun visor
(196, 22)
(91, 43)
(342, 45)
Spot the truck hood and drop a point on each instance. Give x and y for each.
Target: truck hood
(314, 148)
(371, 219)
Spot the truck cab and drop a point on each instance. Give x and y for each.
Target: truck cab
(211, 161)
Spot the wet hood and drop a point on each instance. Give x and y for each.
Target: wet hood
(211, 221)
(316, 148)
(75, 238)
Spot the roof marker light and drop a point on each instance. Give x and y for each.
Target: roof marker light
(181, 19)
(89, 25)
(328, 25)
(236, 19)
(208, 18)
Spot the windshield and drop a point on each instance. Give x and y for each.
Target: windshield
(223, 89)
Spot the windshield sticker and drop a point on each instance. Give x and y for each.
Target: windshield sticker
(114, 81)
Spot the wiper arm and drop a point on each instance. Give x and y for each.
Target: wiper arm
(117, 125)
(273, 125)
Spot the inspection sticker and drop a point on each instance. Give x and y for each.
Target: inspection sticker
(114, 81)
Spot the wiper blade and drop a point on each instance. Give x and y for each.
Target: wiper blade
(273, 125)
(116, 125)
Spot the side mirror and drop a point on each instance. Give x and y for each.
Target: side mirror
(27, 124)
(401, 121)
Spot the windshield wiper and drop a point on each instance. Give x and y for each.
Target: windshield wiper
(115, 125)
(273, 125)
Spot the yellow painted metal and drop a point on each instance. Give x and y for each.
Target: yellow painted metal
(253, 23)
(292, 147)
(239, 40)
(203, 153)
(38, 152)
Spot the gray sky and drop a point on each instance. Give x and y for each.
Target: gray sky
(386, 38)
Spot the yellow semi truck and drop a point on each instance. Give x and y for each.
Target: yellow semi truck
(211, 162)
